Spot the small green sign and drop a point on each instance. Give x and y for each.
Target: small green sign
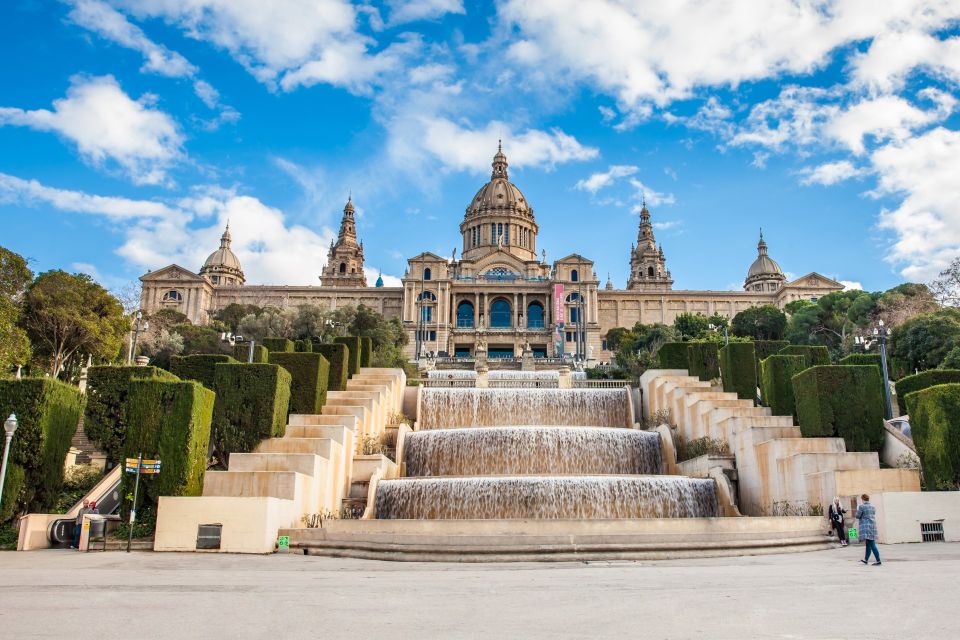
(283, 542)
(852, 534)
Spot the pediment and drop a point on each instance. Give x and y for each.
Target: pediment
(426, 257)
(574, 258)
(500, 259)
(171, 272)
(815, 280)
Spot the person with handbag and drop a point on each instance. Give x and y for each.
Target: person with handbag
(867, 515)
(835, 514)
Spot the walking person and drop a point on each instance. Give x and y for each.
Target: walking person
(835, 513)
(867, 515)
(84, 510)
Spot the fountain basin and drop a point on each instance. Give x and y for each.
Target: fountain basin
(470, 407)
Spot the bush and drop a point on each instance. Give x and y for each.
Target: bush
(353, 356)
(242, 351)
(674, 355)
(935, 425)
(48, 412)
(169, 421)
(701, 447)
(198, 367)
(738, 369)
(776, 388)
(77, 481)
(336, 355)
(841, 401)
(862, 359)
(923, 380)
(303, 346)
(766, 348)
(309, 378)
(251, 405)
(366, 351)
(107, 389)
(282, 345)
(813, 356)
(704, 359)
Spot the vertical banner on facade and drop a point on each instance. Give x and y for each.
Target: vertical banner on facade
(558, 316)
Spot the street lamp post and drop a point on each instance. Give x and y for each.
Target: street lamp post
(136, 334)
(880, 335)
(9, 427)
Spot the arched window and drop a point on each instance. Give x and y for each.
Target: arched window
(465, 314)
(573, 297)
(500, 314)
(650, 271)
(427, 273)
(427, 296)
(427, 301)
(535, 315)
(343, 267)
(173, 296)
(574, 275)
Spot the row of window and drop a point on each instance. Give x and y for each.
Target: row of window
(501, 316)
(499, 232)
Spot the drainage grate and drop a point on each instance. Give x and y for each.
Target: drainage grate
(931, 531)
(208, 536)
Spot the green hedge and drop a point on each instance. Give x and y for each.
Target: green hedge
(766, 348)
(336, 355)
(309, 373)
(704, 359)
(303, 346)
(282, 345)
(935, 426)
(366, 351)
(252, 403)
(674, 355)
(738, 369)
(858, 359)
(242, 351)
(169, 421)
(841, 401)
(48, 412)
(923, 380)
(107, 389)
(198, 367)
(813, 356)
(776, 387)
(353, 356)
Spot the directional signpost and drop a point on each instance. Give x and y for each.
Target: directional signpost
(138, 466)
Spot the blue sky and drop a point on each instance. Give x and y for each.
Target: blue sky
(131, 130)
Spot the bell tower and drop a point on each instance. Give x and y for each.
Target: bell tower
(345, 258)
(648, 267)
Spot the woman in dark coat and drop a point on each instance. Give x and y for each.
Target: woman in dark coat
(835, 513)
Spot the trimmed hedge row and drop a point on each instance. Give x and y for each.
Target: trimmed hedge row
(858, 359)
(48, 412)
(303, 346)
(923, 380)
(841, 401)
(673, 355)
(366, 351)
(704, 360)
(337, 356)
(199, 367)
(812, 356)
(282, 345)
(107, 390)
(309, 374)
(738, 369)
(242, 351)
(353, 356)
(935, 426)
(251, 405)
(169, 421)
(776, 386)
(766, 348)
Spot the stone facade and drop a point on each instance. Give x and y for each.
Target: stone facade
(500, 293)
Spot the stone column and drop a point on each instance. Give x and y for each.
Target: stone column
(566, 380)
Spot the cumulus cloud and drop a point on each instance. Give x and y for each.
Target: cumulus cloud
(14, 190)
(830, 173)
(886, 118)
(107, 126)
(602, 179)
(851, 285)
(891, 57)
(403, 11)
(643, 192)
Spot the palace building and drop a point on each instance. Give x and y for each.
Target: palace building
(501, 292)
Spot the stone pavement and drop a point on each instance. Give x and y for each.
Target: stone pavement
(823, 594)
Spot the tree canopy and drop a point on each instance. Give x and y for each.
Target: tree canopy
(765, 322)
(15, 277)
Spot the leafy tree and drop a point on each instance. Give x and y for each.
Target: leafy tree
(896, 306)
(952, 359)
(690, 325)
(946, 288)
(69, 316)
(271, 322)
(923, 342)
(765, 322)
(796, 305)
(164, 345)
(233, 313)
(15, 277)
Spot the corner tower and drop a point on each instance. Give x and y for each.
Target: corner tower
(648, 267)
(345, 258)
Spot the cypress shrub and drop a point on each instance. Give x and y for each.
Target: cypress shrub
(282, 345)
(309, 378)
(674, 355)
(704, 359)
(336, 355)
(738, 369)
(935, 426)
(353, 354)
(48, 412)
(198, 367)
(169, 421)
(923, 380)
(776, 387)
(366, 351)
(303, 346)
(107, 390)
(766, 348)
(242, 351)
(813, 356)
(841, 401)
(855, 359)
(251, 405)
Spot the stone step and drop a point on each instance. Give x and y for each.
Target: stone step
(792, 446)
(286, 485)
(337, 433)
(306, 463)
(811, 463)
(349, 422)
(322, 447)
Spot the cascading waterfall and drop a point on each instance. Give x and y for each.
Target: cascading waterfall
(454, 408)
(467, 374)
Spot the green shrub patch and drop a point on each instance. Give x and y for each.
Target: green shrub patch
(353, 356)
(859, 359)
(813, 356)
(766, 348)
(935, 425)
(923, 380)
(107, 389)
(198, 367)
(282, 345)
(738, 369)
(242, 351)
(841, 401)
(674, 355)
(776, 387)
(303, 346)
(309, 373)
(251, 405)
(704, 359)
(48, 412)
(337, 355)
(366, 351)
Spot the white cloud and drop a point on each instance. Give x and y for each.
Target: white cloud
(851, 285)
(794, 118)
(653, 197)
(372, 273)
(830, 173)
(885, 118)
(32, 193)
(107, 125)
(603, 179)
(885, 65)
(348, 65)
(403, 11)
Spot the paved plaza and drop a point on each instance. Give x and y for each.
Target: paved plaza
(824, 594)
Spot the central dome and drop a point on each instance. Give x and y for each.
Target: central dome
(499, 195)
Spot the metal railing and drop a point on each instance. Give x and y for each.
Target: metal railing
(523, 384)
(443, 382)
(600, 384)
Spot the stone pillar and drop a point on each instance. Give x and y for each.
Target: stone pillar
(482, 381)
(566, 380)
